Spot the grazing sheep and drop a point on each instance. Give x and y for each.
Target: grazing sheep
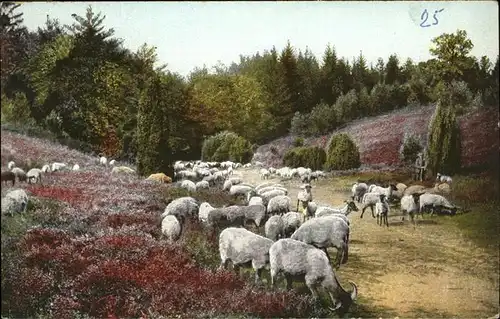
(11, 165)
(410, 204)
(112, 162)
(46, 168)
(435, 202)
(171, 227)
(159, 177)
(254, 213)
(76, 167)
(103, 160)
(280, 204)
(303, 198)
(189, 185)
(243, 247)
(122, 169)
(230, 216)
(267, 184)
(34, 175)
(182, 206)
(345, 210)
(20, 174)
(8, 176)
(203, 211)
(15, 201)
(387, 191)
(255, 200)
(358, 190)
(369, 200)
(292, 258)
(267, 196)
(57, 167)
(274, 228)
(264, 173)
(230, 182)
(291, 222)
(271, 188)
(237, 190)
(413, 189)
(324, 232)
(382, 211)
(202, 185)
(305, 178)
(443, 178)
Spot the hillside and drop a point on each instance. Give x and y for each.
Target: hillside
(379, 138)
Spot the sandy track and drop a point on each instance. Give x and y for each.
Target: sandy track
(431, 271)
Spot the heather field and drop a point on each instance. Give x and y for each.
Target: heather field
(380, 137)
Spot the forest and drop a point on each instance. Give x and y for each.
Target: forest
(80, 83)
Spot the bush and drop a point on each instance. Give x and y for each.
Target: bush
(346, 106)
(342, 153)
(298, 142)
(226, 146)
(300, 124)
(16, 110)
(312, 157)
(410, 148)
(322, 119)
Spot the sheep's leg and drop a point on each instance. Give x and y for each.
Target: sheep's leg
(326, 252)
(373, 214)
(258, 273)
(297, 209)
(362, 212)
(310, 283)
(236, 269)
(386, 220)
(288, 282)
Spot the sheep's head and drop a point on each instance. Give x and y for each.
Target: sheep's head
(416, 197)
(382, 197)
(393, 187)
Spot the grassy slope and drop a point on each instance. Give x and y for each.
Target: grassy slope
(380, 137)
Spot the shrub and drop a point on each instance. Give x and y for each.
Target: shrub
(312, 157)
(322, 119)
(226, 146)
(16, 110)
(342, 153)
(300, 124)
(298, 142)
(443, 151)
(346, 106)
(410, 148)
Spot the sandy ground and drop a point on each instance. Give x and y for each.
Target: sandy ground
(430, 271)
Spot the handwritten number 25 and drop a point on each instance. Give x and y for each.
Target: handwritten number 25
(425, 16)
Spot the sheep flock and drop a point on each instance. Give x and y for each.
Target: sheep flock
(270, 231)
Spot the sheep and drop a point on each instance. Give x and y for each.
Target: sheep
(76, 167)
(57, 166)
(274, 228)
(358, 190)
(369, 200)
(410, 204)
(382, 211)
(182, 206)
(122, 169)
(272, 170)
(188, 185)
(112, 162)
(9, 176)
(203, 211)
(280, 204)
(103, 160)
(264, 173)
(413, 189)
(46, 168)
(305, 178)
(159, 177)
(271, 188)
(171, 227)
(267, 196)
(230, 182)
(387, 191)
(254, 213)
(242, 247)
(34, 175)
(304, 197)
(324, 232)
(226, 217)
(345, 210)
(11, 165)
(292, 257)
(20, 174)
(237, 190)
(202, 185)
(443, 178)
(291, 222)
(15, 201)
(255, 200)
(435, 202)
(319, 174)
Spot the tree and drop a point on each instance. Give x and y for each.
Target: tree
(452, 54)
(327, 91)
(342, 153)
(308, 71)
(393, 71)
(380, 69)
(443, 151)
(360, 74)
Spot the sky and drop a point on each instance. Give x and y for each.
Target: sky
(194, 34)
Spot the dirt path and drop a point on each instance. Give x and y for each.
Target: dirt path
(431, 271)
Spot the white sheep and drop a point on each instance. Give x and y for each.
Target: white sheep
(202, 185)
(20, 174)
(188, 185)
(267, 184)
(11, 165)
(34, 175)
(280, 204)
(358, 190)
(271, 188)
(46, 168)
(382, 211)
(345, 210)
(435, 202)
(264, 173)
(443, 178)
(171, 227)
(387, 191)
(237, 190)
(324, 232)
(255, 200)
(292, 257)
(369, 200)
(203, 211)
(274, 228)
(112, 162)
(15, 201)
(57, 166)
(230, 182)
(122, 169)
(241, 247)
(103, 160)
(76, 167)
(291, 222)
(410, 204)
(182, 206)
(267, 196)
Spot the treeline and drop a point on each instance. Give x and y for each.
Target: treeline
(79, 81)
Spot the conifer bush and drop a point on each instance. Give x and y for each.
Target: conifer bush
(342, 153)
